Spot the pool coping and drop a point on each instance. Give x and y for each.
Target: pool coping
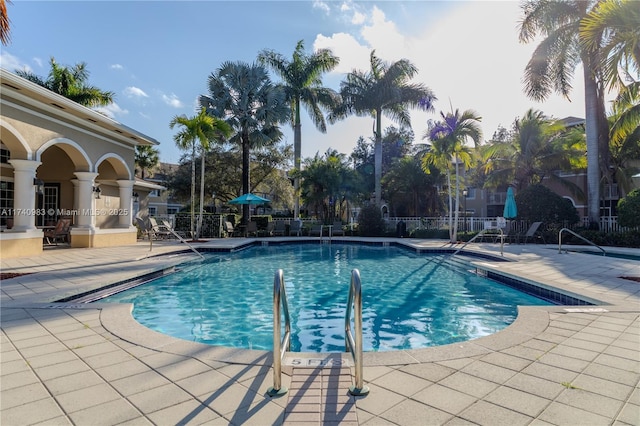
(530, 321)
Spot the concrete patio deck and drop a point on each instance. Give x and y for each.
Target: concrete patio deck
(92, 364)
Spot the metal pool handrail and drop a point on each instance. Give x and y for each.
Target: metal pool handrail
(479, 234)
(355, 345)
(604, 253)
(279, 346)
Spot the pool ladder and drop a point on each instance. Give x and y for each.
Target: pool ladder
(604, 253)
(353, 343)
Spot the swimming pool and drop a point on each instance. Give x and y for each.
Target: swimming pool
(410, 300)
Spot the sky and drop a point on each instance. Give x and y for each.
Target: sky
(156, 56)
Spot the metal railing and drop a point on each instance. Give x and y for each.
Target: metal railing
(280, 346)
(354, 345)
(481, 233)
(604, 253)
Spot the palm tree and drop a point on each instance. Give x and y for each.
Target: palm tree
(146, 158)
(200, 129)
(613, 29)
(551, 68)
(302, 83)
(385, 89)
(71, 83)
(5, 23)
(535, 149)
(448, 139)
(243, 95)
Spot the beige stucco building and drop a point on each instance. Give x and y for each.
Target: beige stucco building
(58, 158)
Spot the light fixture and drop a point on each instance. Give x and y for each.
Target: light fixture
(135, 197)
(39, 183)
(96, 191)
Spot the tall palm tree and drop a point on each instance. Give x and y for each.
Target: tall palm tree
(448, 139)
(71, 83)
(243, 95)
(5, 23)
(551, 67)
(535, 149)
(302, 83)
(613, 29)
(384, 89)
(200, 130)
(146, 158)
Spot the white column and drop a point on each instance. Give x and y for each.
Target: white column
(126, 203)
(24, 195)
(86, 201)
(75, 195)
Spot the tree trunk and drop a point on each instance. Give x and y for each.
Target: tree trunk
(199, 228)
(592, 132)
(455, 222)
(193, 188)
(246, 174)
(297, 153)
(378, 158)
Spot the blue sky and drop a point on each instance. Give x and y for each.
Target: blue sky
(157, 55)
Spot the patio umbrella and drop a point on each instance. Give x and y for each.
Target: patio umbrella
(510, 208)
(249, 199)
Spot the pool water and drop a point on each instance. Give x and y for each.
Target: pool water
(410, 300)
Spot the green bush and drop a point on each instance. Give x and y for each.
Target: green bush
(537, 203)
(370, 222)
(629, 210)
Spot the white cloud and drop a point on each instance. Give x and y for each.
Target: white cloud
(116, 67)
(358, 18)
(12, 63)
(112, 110)
(38, 62)
(318, 4)
(172, 100)
(352, 54)
(134, 92)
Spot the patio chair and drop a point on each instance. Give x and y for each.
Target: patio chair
(315, 231)
(158, 232)
(532, 232)
(337, 229)
(168, 227)
(268, 232)
(295, 228)
(229, 229)
(59, 233)
(280, 228)
(252, 229)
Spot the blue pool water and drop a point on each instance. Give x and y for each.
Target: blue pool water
(410, 300)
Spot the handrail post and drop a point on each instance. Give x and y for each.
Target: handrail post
(351, 344)
(279, 346)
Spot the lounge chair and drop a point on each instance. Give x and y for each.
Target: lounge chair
(316, 231)
(532, 232)
(59, 233)
(295, 228)
(158, 232)
(280, 228)
(168, 227)
(229, 229)
(337, 229)
(251, 229)
(268, 232)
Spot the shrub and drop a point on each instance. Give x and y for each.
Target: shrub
(370, 222)
(537, 203)
(629, 209)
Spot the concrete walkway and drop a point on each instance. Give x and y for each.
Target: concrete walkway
(71, 363)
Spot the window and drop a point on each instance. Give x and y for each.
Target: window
(49, 201)
(6, 202)
(173, 210)
(5, 154)
(154, 193)
(153, 211)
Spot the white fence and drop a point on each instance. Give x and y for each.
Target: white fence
(608, 224)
